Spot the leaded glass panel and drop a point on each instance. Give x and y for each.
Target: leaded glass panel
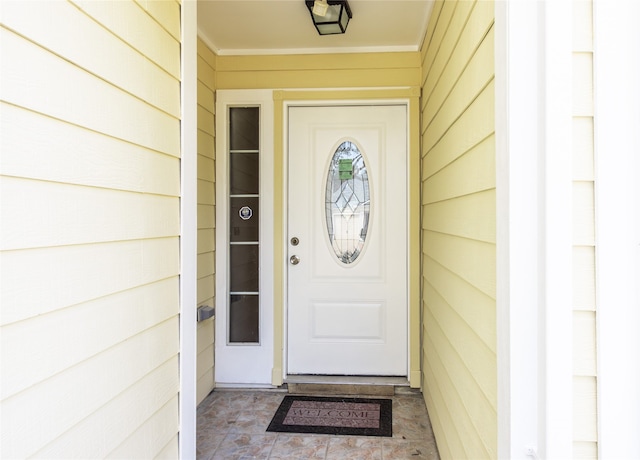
(347, 202)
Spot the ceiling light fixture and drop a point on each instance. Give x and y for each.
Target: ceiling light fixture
(329, 16)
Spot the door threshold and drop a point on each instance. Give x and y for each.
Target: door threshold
(345, 385)
(347, 379)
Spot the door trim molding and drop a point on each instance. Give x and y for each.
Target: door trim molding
(282, 101)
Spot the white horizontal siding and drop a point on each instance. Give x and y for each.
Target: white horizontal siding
(76, 155)
(117, 62)
(142, 398)
(582, 25)
(121, 316)
(584, 287)
(132, 24)
(584, 343)
(165, 13)
(584, 409)
(583, 84)
(583, 213)
(63, 214)
(154, 432)
(69, 93)
(583, 161)
(89, 244)
(58, 404)
(43, 281)
(585, 435)
(170, 450)
(585, 450)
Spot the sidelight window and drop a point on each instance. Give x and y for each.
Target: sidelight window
(244, 209)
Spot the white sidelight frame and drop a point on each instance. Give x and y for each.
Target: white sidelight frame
(245, 365)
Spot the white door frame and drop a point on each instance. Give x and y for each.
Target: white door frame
(336, 103)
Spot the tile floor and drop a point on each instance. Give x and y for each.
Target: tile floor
(232, 425)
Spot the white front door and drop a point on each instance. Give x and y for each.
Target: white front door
(347, 247)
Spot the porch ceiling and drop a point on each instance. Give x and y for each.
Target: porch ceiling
(236, 27)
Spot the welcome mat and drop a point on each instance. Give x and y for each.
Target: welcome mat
(339, 416)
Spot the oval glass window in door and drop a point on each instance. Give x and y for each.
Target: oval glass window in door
(347, 202)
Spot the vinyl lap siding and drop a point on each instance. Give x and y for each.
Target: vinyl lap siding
(318, 71)
(458, 229)
(585, 433)
(325, 71)
(89, 242)
(206, 216)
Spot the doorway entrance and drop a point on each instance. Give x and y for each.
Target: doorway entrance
(347, 240)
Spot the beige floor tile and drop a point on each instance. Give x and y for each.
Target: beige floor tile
(267, 401)
(353, 448)
(207, 443)
(244, 446)
(397, 449)
(290, 447)
(408, 427)
(232, 425)
(216, 423)
(255, 422)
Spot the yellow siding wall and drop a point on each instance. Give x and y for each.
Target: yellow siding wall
(89, 241)
(458, 228)
(318, 71)
(206, 215)
(326, 71)
(584, 301)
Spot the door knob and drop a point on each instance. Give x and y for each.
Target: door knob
(295, 260)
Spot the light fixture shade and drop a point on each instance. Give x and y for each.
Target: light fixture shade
(335, 20)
